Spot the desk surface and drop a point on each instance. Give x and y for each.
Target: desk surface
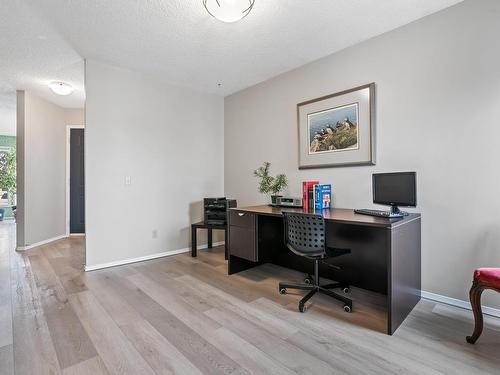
(339, 215)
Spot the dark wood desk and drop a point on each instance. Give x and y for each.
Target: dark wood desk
(385, 253)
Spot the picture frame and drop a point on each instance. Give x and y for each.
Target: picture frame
(337, 130)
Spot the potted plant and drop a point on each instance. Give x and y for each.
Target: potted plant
(269, 184)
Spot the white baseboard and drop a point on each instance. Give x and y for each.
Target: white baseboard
(458, 303)
(44, 242)
(147, 257)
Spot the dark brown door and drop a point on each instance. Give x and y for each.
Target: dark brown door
(77, 182)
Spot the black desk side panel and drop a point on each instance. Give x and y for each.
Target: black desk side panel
(405, 272)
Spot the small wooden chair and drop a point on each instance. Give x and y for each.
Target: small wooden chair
(484, 278)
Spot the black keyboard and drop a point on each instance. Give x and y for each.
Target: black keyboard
(379, 213)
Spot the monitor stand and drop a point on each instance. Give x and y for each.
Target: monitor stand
(396, 211)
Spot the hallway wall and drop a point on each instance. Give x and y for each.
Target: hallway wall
(41, 145)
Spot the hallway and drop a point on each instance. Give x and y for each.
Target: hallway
(7, 245)
(29, 291)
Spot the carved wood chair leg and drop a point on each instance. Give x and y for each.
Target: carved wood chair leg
(475, 300)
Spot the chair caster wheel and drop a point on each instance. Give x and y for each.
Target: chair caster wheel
(302, 308)
(308, 281)
(345, 290)
(283, 291)
(347, 308)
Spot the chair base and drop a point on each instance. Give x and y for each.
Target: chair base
(314, 288)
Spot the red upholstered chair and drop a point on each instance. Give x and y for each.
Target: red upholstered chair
(484, 278)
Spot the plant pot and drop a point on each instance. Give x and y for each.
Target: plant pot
(274, 199)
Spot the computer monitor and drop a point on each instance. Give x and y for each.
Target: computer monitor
(395, 189)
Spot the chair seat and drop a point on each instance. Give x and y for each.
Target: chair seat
(489, 277)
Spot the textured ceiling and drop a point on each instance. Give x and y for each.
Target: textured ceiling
(178, 42)
(33, 53)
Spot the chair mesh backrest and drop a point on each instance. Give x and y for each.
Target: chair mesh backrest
(304, 233)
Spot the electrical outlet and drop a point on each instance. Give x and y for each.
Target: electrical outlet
(154, 233)
(128, 180)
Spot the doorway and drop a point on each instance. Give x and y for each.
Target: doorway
(75, 187)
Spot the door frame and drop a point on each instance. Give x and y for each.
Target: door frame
(68, 171)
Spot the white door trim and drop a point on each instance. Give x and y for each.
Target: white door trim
(68, 149)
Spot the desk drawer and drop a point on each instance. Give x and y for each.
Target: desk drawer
(242, 243)
(242, 219)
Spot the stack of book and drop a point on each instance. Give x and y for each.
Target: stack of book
(316, 196)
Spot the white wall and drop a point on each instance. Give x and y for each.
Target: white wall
(7, 119)
(438, 108)
(20, 124)
(41, 129)
(7, 113)
(169, 140)
(74, 116)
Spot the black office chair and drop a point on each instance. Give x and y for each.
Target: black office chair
(305, 236)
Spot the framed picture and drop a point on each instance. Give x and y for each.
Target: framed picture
(338, 130)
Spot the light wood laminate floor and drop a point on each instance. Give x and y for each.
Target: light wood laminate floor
(179, 315)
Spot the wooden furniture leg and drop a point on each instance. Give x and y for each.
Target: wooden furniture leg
(226, 243)
(209, 230)
(475, 299)
(194, 247)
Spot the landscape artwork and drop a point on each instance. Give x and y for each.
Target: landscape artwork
(333, 130)
(337, 130)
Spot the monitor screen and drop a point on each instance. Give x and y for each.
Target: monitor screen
(395, 189)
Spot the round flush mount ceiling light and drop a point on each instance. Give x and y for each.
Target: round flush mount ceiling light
(228, 10)
(61, 88)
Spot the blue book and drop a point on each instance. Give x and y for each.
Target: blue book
(322, 196)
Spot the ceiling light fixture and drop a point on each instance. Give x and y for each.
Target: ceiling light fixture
(228, 10)
(61, 88)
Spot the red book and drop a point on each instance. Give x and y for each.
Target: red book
(307, 188)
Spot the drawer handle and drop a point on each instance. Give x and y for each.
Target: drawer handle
(240, 214)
